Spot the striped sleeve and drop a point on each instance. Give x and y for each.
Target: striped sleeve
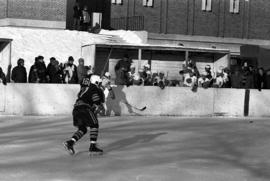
(95, 97)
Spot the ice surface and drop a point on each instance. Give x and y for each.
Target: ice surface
(137, 148)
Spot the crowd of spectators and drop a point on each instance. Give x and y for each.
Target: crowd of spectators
(54, 72)
(189, 76)
(246, 76)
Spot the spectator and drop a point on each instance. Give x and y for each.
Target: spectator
(81, 70)
(148, 79)
(19, 74)
(146, 75)
(161, 80)
(206, 80)
(174, 83)
(181, 78)
(49, 68)
(247, 77)
(96, 29)
(58, 76)
(209, 77)
(41, 70)
(3, 79)
(155, 79)
(33, 75)
(236, 79)
(260, 79)
(90, 70)
(54, 71)
(190, 74)
(121, 70)
(190, 80)
(226, 78)
(251, 76)
(267, 77)
(133, 77)
(85, 19)
(77, 16)
(70, 72)
(219, 80)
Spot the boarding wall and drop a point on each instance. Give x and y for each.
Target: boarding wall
(58, 99)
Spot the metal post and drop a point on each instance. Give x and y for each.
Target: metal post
(10, 50)
(9, 63)
(138, 65)
(186, 57)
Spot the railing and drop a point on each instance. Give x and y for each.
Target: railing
(128, 23)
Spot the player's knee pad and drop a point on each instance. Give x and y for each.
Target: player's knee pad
(83, 129)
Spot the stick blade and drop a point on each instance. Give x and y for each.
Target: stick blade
(142, 109)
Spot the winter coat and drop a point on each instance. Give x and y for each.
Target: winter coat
(19, 74)
(121, 70)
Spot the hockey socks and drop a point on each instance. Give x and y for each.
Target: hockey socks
(93, 134)
(76, 136)
(93, 140)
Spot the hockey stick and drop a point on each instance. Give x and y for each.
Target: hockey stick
(139, 109)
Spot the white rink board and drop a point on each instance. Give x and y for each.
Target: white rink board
(53, 99)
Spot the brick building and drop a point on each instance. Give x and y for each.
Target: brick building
(33, 13)
(48, 13)
(210, 23)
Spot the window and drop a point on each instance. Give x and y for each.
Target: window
(148, 3)
(117, 2)
(96, 18)
(234, 6)
(206, 5)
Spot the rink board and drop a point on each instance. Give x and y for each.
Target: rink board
(58, 99)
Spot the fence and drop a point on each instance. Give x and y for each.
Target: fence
(128, 23)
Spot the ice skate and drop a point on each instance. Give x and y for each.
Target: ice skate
(94, 150)
(69, 147)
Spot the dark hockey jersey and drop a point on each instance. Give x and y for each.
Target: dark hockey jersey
(90, 95)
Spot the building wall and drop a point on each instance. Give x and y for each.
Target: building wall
(177, 20)
(36, 9)
(33, 13)
(259, 23)
(231, 25)
(3, 8)
(186, 17)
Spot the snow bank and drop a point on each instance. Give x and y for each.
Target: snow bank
(28, 43)
(140, 37)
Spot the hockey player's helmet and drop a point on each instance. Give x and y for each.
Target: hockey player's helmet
(95, 79)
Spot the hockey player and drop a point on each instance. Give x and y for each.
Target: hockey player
(87, 105)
